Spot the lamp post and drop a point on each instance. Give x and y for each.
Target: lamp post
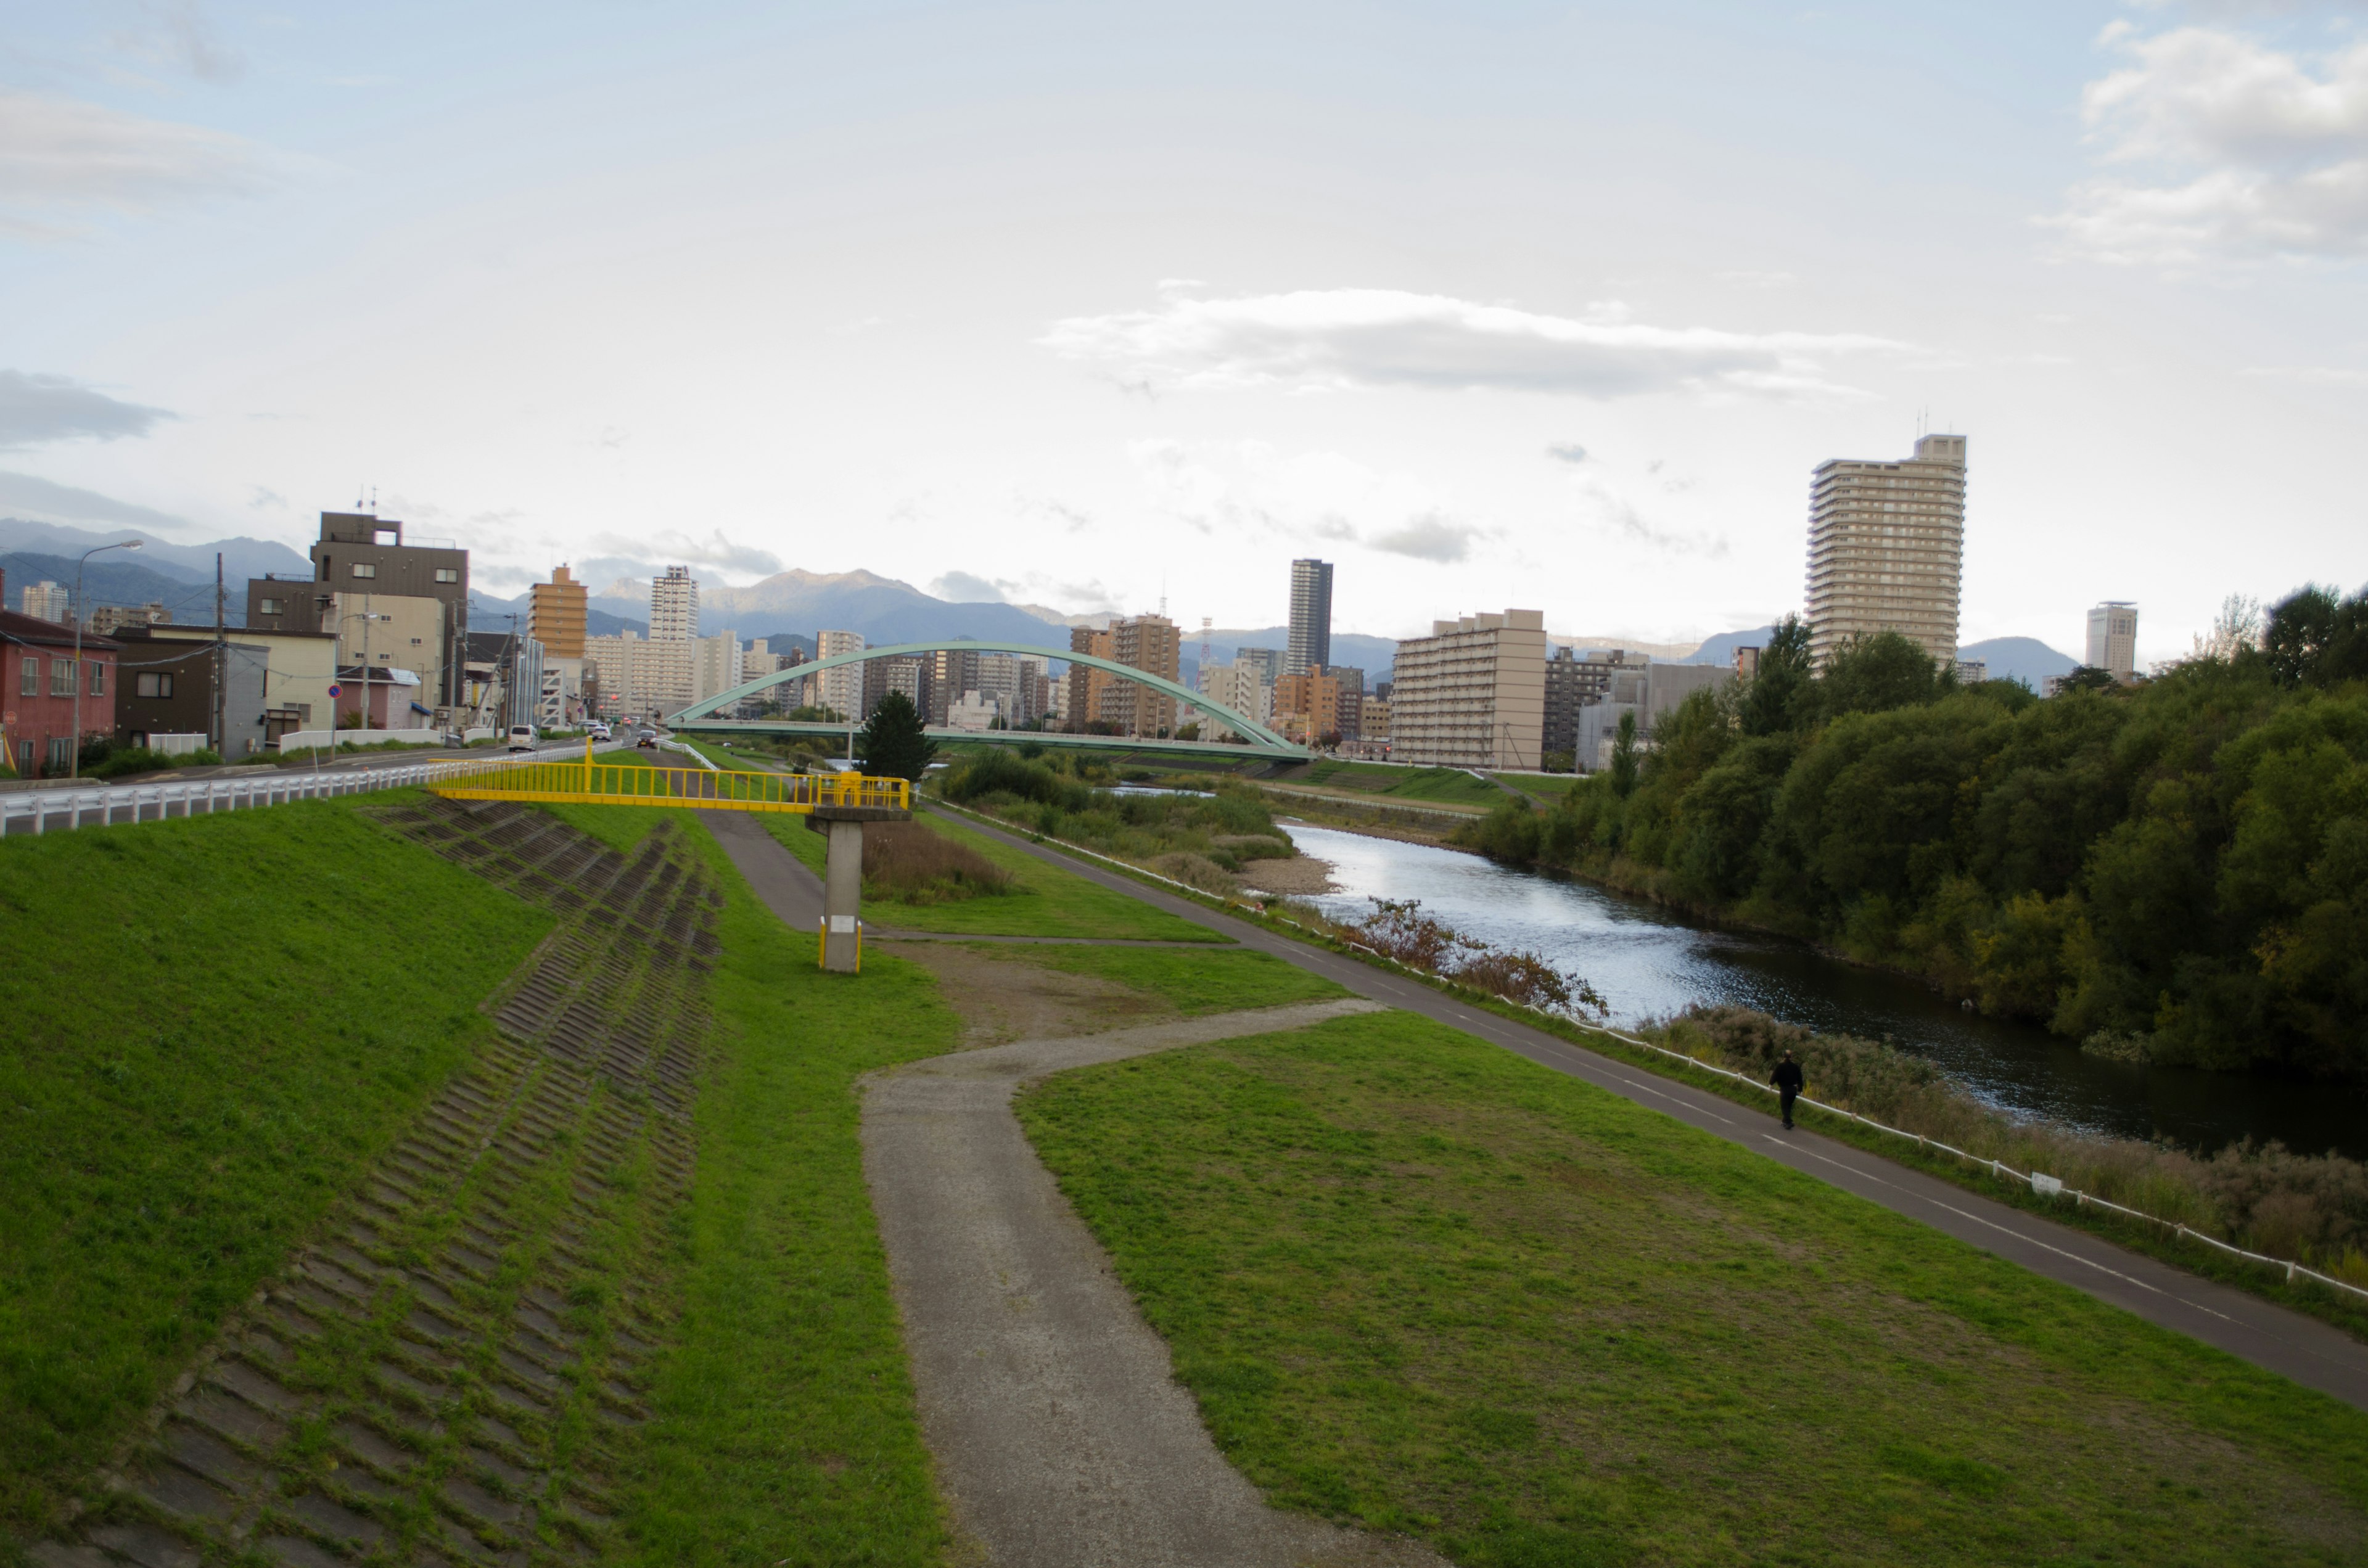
(74, 764)
(365, 617)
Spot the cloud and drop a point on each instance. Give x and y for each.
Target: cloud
(1617, 516)
(61, 153)
(961, 588)
(2322, 375)
(1340, 338)
(261, 498)
(1428, 538)
(1567, 452)
(2237, 152)
(1759, 280)
(35, 409)
(681, 550)
(175, 33)
(24, 495)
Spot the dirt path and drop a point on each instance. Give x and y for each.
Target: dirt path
(1061, 1434)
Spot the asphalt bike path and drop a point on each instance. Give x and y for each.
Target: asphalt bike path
(2311, 1353)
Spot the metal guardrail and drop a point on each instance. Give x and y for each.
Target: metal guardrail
(707, 787)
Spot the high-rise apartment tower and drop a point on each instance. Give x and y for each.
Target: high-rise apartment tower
(555, 614)
(2113, 639)
(1887, 548)
(674, 606)
(1311, 618)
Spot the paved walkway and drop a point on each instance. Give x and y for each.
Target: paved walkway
(2311, 1353)
(1062, 1437)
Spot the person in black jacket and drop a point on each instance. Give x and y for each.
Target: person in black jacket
(1789, 1083)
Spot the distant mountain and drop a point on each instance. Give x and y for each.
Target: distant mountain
(2025, 659)
(1720, 650)
(113, 579)
(242, 558)
(488, 612)
(798, 604)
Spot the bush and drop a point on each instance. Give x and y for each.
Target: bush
(910, 864)
(121, 763)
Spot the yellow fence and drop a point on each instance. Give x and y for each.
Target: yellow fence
(609, 784)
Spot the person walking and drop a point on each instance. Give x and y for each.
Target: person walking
(1789, 1083)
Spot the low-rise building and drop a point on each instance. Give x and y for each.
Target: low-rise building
(299, 667)
(105, 618)
(1651, 692)
(1473, 693)
(40, 678)
(177, 684)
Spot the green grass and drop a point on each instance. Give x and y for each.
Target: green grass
(1545, 788)
(1196, 983)
(214, 1026)
(1047, 900)
(1418, 1281)
(1440, 785)
(784, 1427)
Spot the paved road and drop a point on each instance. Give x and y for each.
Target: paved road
(2301, 1349)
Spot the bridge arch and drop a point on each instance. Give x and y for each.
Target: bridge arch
(1238, 723)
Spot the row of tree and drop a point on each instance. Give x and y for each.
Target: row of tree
(2174, 871)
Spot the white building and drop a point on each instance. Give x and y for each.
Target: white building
(47, 601)
(1473, 694)
(641, 677)
(1242, 687)
(974, 711)
(674, 606)
(1973, 672)
(1650, 691)
(2113, 639)
(716, 666)
(841, 689)
(1887, 548)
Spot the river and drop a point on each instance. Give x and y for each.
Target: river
(1647, 961)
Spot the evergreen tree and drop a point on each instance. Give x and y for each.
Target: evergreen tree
(1776, 699)
(893, 746)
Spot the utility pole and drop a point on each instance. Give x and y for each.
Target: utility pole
(222, 669)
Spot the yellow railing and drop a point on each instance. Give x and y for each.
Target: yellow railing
(609, 784)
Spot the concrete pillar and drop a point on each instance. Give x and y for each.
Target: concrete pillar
(842, 894)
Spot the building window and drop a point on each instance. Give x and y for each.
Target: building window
(364, 568)
(62, 673)
(267, 607)
(414, 642)
(447, 574)
(61, 755)
(97, 678)
(29, 683)
(152, 683)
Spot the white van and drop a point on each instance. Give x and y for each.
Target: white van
(521, 737)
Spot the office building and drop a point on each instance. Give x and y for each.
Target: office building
(839, 690)
(2113, 639)
(674, 606)
(1473, 693)
(48, 601)
(1574, 682)
(556, 615)
(362, 556)
(1886, 548)
(1311, 618)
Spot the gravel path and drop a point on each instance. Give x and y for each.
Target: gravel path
(1062, 1437)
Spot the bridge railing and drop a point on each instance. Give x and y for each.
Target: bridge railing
(612, 784)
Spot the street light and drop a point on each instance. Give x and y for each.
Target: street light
(74, 764)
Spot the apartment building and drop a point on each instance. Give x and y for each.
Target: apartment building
(2113, 639)
(640, 677)
(674, 606)
(105, 618)
(48, 601)
(557, 613)
(1348, 708)
(716, 665)
(1310, 616)
(1473, 693)
(38, 680)
(1151, 644)
(1887, 548)
(359, 556)
(1648, 691)
(1574, 681)
(840, 689)
(1307, 708)
(1240, 686)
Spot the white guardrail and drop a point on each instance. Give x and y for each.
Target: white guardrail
(100, 805)
(2041, 1184)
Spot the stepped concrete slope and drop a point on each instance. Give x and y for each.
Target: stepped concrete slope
(449, 1376)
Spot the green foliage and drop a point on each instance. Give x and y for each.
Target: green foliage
(2175, 872)
(1875, 673)
(1776, 699)
(230, 1017)
(1417, 1282)
(2315, 639)
(893, 744)
(1623, 757)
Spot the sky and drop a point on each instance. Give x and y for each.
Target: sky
(1092, 306)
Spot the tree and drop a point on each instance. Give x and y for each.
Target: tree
(1777, 699)
(2315, 639)
(2087, 677)
(1875, 673)
(1624, 756)
(894, 744)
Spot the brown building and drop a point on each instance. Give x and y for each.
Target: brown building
(1150, 643)
(555, 618)
(1308, 706)
(359, 553)
(38, 685)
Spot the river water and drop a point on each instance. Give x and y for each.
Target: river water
(1647, 962)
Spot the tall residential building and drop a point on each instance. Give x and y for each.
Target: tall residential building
(1153, 645)
(1574, 683)
(674, 606)
(1307, 706)
(1082, 686)
(555, 614)
(1311, 618)
(716, 666)
(1240, 686)
(2113, 639)
(359, 557)
(840, 689)
(641, 678)
(1473, 693)
(48, 601)
(1887, 548)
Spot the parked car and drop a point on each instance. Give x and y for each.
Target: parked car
(647, 739)
(598, 732)
(521, 737)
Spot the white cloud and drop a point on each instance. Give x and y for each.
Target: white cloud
(2322, 375)
(1567, 452)
(1338, 338)
(1619, 518)
(36, 408)
(1428, 538)
(1249, 490)
(2237, 150)
(61, 153)
(681, 550)
(177, 33)
(963, 588)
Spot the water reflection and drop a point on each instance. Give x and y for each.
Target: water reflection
(1645, 961)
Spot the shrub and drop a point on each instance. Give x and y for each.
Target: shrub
(908, 862)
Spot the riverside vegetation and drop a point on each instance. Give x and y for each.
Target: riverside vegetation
(2175, 872)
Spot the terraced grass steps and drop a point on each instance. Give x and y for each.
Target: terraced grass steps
(453, 1372)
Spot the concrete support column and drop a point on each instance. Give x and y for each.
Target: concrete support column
(842, 894)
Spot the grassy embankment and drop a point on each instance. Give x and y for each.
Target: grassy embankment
(215, 1025)
(1419, 1282)
(1043, 900)
(784, 1428)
